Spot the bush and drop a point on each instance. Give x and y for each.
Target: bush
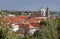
(5, 33)
(48, 31)
(44, 22)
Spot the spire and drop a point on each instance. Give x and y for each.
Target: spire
(47, 8)
(47, 11)
(41, 7)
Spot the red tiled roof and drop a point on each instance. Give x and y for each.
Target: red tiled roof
(17, 19)
(21, 25)
(35, 19)
(34, 24)
(37, 15)
(23, 18)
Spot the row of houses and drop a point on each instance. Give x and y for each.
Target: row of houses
(25, 23)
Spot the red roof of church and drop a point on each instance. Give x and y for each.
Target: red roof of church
(37, 15)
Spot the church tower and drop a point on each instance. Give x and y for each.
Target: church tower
(43, 12)
(47, 13)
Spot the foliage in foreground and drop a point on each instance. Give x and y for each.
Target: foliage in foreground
(48, 30)
(5, 33)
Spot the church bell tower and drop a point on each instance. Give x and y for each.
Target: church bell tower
(47, 13)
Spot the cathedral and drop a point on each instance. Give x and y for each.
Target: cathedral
(45, 12)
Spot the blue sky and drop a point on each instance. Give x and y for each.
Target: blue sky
(29, 4)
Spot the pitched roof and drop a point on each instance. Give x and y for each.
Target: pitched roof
(37, 15)
(17, 19)
(35, 24)
(32, 22)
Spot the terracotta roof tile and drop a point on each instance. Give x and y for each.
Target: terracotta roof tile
(37, 15)
(34, 24)
(23, 18)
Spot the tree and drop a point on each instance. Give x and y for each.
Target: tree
(44, 22)
(48, 31)
(57, 21)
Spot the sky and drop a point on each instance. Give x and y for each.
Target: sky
(29, 4)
